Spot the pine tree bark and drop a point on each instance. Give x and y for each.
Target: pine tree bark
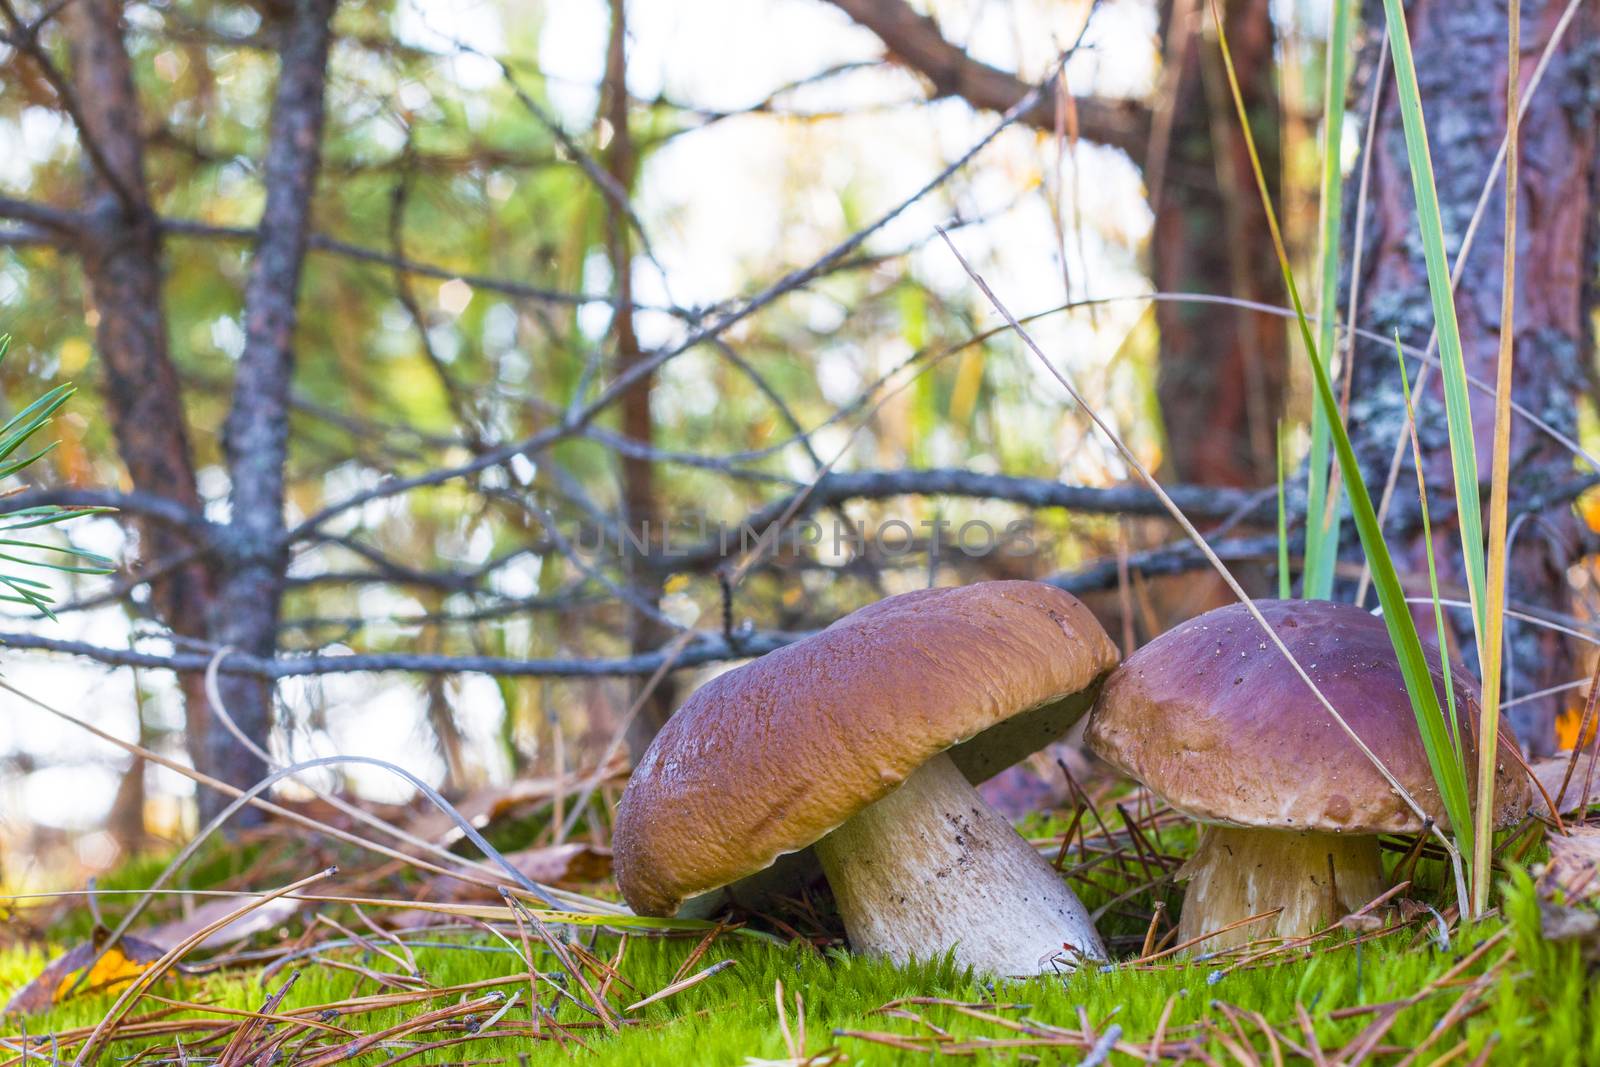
(256, 434)
(120, 248)
(1461, 48)
(1222, 370)
(640, 506)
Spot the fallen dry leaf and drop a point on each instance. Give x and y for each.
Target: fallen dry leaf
(1558, 923)
(130, 958)
(1551, 770)
(1362, 924)
(483, 806)
(1581, 925)
(1037, 783)
(133, 955)
(261, 919)
(1021, 790)
(566, 866)
(1574, 867)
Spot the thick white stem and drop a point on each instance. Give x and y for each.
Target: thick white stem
(1236, 873)
(931, 867)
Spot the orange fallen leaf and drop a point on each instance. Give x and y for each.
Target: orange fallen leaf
(128, 959)
(1589, 508)
(1568, 722)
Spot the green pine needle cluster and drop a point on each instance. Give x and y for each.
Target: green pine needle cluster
(18, 548)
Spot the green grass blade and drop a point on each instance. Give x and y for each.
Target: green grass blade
(1448, 773)
(1285, 585)
(1323, 522)
(1490, 649)
(1463, 453)
(1433, 570)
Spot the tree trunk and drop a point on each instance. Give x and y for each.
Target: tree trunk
(1461, 49)
(1221, 376)
(122, 261)
(126, 819)
(640, 512)
(256, 435)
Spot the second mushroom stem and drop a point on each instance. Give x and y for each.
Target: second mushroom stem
(1237, 872)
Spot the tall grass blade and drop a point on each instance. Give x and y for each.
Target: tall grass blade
(1285, 584)
(1490, 649)
(1448, 773)
(1458, 410)
(1433, 569)
(1323, 520)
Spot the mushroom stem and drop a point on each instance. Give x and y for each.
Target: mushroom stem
(1237, 872)
(931, 867)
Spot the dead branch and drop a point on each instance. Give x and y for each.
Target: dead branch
(916, 42)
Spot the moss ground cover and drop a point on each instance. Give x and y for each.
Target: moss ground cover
(1379, 989)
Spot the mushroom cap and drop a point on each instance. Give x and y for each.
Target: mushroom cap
(1212, 717)
(768, 758)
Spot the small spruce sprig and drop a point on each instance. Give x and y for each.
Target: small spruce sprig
(18, 552)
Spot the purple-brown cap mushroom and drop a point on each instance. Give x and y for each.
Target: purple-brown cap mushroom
(1212, 718)
(863, 741)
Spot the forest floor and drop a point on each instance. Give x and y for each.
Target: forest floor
(1402, 984)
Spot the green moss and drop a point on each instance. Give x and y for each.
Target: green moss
(1539, 1004)
(1536, 1007)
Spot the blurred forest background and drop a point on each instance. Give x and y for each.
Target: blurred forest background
(398, 323)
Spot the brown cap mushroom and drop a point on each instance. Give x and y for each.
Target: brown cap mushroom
(1211, 717)
(863, 739)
